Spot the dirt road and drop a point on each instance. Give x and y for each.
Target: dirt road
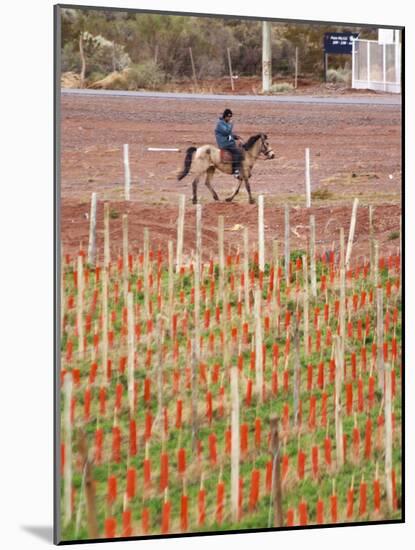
(355, 152)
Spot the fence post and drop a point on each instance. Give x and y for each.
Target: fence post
(388, 437)
(379, 338)
(127, 175)
(67, 472)
(305, 306)
(92, 230)
(307, 178)
(180, 233)
(313, 276)
(106, 235)
(146, 273)
(287, 245)
(230, 69)
(89, 486)
(339, 358)
(351, 232)
(261, 254)
(105, 276)
(125, 256)
(258, 346)
(276, 473)
(246, 271)
(235, 444)
(296, 68)
(80, 307)
(131, 347)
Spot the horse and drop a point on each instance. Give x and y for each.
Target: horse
(207, 158)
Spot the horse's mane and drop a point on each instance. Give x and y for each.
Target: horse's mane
(251, 141)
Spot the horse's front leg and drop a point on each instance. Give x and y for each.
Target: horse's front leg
(194, 187)
(229, 199)
(209, 176)
(248, 188)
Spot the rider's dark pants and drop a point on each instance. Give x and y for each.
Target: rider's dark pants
(236, 157)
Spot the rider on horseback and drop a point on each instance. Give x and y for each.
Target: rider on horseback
(225, 139)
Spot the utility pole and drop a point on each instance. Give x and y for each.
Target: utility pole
(266, 57)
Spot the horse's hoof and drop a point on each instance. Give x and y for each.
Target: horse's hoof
(194, 201)
(252, 201)
(216, 198)
(228, 199)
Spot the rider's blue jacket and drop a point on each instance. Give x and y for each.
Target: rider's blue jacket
(224, 136)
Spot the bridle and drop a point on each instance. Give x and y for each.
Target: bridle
(267, 152)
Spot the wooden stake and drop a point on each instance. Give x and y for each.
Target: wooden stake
(67, 472)
(276, 473)
(80, 307)
(92, 230)
(376, 264)
(372, 242)
(305, 306)
(307, 178)
(313, 256)
(180, 233)
(104, 324)
(221, 255)
(160, 342)
(127, 176)
(197, 288)
(171, 283)
(246, 271)
(388, 437)
(235, 444)
(258, 346)
(351, 232)
(342, 312)
(261, 233)
(287, 245)
(106, 235)
(297, 374)
(89, 487)
(125, 256)
(379, 337)
(338, 406)
(146, 273)
(131, 348)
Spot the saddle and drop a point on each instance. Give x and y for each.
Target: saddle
(225, 156)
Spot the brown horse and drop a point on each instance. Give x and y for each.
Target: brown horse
(205, 160)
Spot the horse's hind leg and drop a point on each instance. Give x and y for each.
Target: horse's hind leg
(238, 186)
(209, 176)
(248, 188)
(194, 187)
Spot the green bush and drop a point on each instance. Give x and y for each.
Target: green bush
(145, 75)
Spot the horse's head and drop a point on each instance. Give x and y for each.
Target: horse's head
(265, 148)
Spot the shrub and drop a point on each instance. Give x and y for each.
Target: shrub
(145, 75)
(321, 194)
(281, 88)
(342, 76)
(393, 235)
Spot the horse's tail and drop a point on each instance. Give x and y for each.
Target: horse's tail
(187, 163)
